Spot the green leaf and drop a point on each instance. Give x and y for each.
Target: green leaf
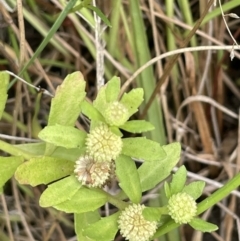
(100, 102)
(85, 3)
(66, 105)
(59, 191)
(37, 149)
(82, 220)
(116, 131)
(152, 213)
(4, 80)
(50, 149)
(100, 14)
(167, 190)
(178, 180)
(132, 100)
(33, 148)
(194, 189)
(35, 125)
(152, 173)
(137, 126)
(84, 200)
(133, 147)
(113, 89)
(203, 226)
(78, 7)
(91, 112)
(103, 230)
(8, 166)
(127, 175)
(69, 154)
(65, 136)
(4, 236)
(43, 170)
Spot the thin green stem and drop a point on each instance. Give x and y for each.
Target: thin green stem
(6, 147)
(163, 210)
(217, 11)
(19, 124)
(166, 228)
(220, 194)
(116, 202)
(205, 204)
(49, 36)
(146, 79)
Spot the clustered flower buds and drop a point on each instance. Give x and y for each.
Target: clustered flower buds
(96, 167)
(182, 207)
(91, 173)
(116, 114)
(102, 144)
(133, 226)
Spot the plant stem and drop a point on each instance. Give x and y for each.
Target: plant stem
(217, 11)
(204, 205)
(19, 124)
(146, 79)
(14, 150)
(49, 36)
(219, 194)
(117, 202)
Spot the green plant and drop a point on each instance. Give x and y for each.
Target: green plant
(77, 166)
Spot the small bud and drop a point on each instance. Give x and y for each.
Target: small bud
(133, 226)
(103, 145)
(116, 114)
(91, 173)
(182, 207)
(232, 15)
(232, 54)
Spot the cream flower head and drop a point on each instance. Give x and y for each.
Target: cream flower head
(182, 207)
(133, 226)
(102, 144)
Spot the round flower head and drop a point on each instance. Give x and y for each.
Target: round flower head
(102, 144)
(116, 114)
(91, 173)
(182, 207)
(133, 226)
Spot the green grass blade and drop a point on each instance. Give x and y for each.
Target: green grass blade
(146, 78)
(217, 12)
(52, 31)
(188, 18)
